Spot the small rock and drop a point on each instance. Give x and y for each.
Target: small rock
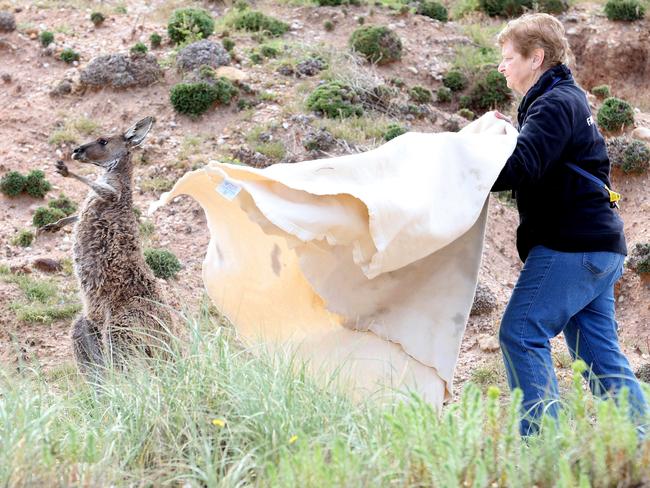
(7, 22)
(233, 74)
(6, 77)
(488, 343)
(413, 70)
(200, 53)
(47, 265)
(641, 133)
(20, 268)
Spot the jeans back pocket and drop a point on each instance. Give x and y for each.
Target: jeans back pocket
(600, 262)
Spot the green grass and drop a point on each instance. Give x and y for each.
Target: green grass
(73, 130)
(43, 299)
(156, 184)
(218, 415)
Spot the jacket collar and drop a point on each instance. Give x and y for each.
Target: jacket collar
(545, 82)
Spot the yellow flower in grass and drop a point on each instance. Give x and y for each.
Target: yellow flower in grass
(219, 422)
(293, 439)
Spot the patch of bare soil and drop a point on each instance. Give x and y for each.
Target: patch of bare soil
(30, 117)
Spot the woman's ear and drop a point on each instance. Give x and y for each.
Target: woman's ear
(537, 59)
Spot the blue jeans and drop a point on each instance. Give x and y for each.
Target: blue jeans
(571, 293)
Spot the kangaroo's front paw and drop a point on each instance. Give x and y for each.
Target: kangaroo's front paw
(62, 169)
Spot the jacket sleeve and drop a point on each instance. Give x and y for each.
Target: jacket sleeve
(545, 134)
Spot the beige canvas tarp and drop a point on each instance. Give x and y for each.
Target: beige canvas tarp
(366, 263)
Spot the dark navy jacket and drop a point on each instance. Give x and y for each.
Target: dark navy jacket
(559, 208)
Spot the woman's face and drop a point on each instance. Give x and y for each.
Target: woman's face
(521, 73)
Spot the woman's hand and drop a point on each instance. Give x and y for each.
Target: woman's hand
(499, 115)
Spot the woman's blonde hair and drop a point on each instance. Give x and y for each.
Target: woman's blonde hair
(533, 31)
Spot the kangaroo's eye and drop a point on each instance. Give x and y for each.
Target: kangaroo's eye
(103, 142)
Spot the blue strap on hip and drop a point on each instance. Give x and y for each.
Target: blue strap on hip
(613, 196)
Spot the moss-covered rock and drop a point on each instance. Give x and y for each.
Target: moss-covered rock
(335, 99)
(615, 115)
(377, 44)
(187, 23)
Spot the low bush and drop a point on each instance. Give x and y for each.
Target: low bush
(64, 204)
(13, 183)
(552, 6)
(615, 114)
(601, 91)
(69, 55)
(46, 215)
(269, 51)
(627, 10)
(228, 44)
(505, 8)
(194, 99)
(97, 18)
(455, 80)
(419, 94)
(631, 155)
(36, 185)
(467, 114)
(46, 38)
(190, 23)
(336, 3)
(377, 44)
(489, 91)
(433, 10)
(162, 262)
(155, 40)
(394, 130)
(23, 238)
(254, 21)
(639, 258)
(328, 25)
(139, 48)
(443, 95)
(335, 99)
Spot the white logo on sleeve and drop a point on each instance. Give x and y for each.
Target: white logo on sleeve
(590, 121)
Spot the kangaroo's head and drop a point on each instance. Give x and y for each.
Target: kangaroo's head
(107, 152)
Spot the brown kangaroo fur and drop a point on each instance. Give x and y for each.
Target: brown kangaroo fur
(122, 304)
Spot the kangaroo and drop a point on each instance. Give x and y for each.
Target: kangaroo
(122, 309)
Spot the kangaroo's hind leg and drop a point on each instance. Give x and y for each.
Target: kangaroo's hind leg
(87, 342)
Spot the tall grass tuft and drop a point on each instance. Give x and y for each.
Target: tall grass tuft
(220, 414)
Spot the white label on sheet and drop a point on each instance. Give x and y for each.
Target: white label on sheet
(228, 189)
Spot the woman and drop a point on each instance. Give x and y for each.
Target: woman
(570, 237)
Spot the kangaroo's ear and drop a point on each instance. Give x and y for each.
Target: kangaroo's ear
(136, 134)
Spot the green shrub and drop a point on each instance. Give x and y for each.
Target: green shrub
(163, 263)
(241, 5)
(36, 185)
(139, 48)
(631, 155)
(155, 40)
(394, 130)
(419, 94)
(601, 91)
(97, 18)
(189, 23)
(254, 21)
(377, 44)
(46, 215)
(13, 183)
(464, 101)
(64, 204)
(639, 258)
(467, 114)
(328, 25)
(489, 91)
(334, 99)
(24, 238)
(624, 10)
(553, 6)
(256, 58)
(46, 38)
(433, 10)
(443, 95)
(194, 99)
(455, 80)
(615, 114)
(362, 20)
(336, 3)
(69, 55)
(505, 8)
(228, 44)
(269, 51)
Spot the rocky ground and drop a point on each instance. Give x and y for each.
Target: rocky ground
(46, 111)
